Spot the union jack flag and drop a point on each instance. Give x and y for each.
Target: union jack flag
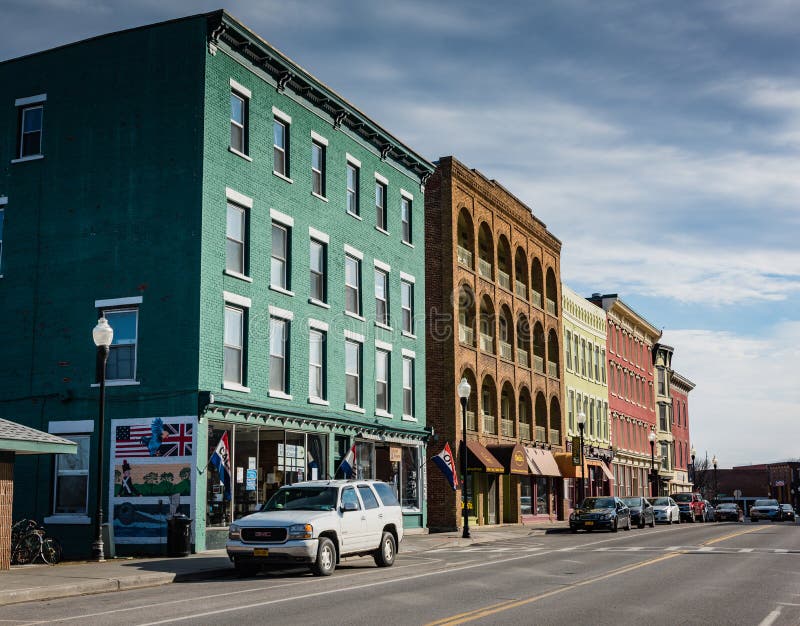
(137, 440)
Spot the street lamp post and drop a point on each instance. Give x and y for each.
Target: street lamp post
(652, 438)
(464, 390)
(714, 463)
(694, 474)
(102, 334)
(581, 426)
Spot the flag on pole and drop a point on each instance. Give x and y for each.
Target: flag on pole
(221, 459)
(448, 466)
(349, 462)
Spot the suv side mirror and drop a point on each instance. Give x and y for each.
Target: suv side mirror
(349, 506)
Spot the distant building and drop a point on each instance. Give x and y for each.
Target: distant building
(679, 388)
(493, 307)
(586, 391)
(631, 396)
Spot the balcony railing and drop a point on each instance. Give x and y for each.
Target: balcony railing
(555, 437)
(485, 268)
(466, 335)
(487, 343)
(521, 289)
(504, 279)
(472, 422)
(489, 424)
(465, 257)
(536, 298)
(508, 427)
(538, 364)
(505, 350)
(551, 306)
(552, 369)
(525, 431)
(540, 433)
(522, 357)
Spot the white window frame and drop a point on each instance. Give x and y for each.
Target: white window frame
(24, 105)
(352, 340)
(408, 385)
(280, 118)
(241, 305)
(406, 200)
(75, 517)
(243, 243)
(353, 192)
(322, 273)
(318, 173)
(383, 411)
(121, 305)
(317, 369)
(407, 312)
(284, 285)
(381, 209)
(349, 257)
(382, 298)
(278, 316)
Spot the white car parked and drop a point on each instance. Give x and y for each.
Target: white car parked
(316, 523)
(666, 510)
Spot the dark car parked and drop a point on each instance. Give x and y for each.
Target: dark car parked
(729, 512)
(787, 513)
(601, 512)
(641, 511)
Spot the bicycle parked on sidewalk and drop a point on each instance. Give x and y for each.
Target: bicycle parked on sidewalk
(30, 543)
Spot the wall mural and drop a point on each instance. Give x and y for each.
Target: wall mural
(153, 476)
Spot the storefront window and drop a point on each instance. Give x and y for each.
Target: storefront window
(542, 495)
(245, 483)
(364, 452)
(218, 509)
(525, 499)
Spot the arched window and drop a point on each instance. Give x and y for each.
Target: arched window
(538, 348)
(506, 331)
(552, 354)
(525, 415)
(507, 411)
(466, 239)
(555, 422)
(504, 263)
(485, 252)
(541, 417)
(537, 283)
(487, 325)
(521, 274)
(523, 341)
(489, 406)
(472, 401)
(466, 315)
(552, 292)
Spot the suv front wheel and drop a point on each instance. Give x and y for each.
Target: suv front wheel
(326, 558)
(384, 555)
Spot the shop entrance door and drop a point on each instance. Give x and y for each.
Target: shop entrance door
(491, 497)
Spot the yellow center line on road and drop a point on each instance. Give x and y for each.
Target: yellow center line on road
(732, 535)
(499, 607)
(470, 616)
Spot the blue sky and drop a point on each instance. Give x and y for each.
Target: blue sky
(659, 141)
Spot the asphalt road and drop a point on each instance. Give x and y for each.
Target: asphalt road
(686, 574)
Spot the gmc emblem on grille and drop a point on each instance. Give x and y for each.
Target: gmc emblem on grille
(263, 533)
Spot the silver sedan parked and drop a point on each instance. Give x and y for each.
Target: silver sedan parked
(666, 510)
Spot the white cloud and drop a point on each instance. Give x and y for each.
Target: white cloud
(744, 408)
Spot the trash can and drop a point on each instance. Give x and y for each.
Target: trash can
(179, 535)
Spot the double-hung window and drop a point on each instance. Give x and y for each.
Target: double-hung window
(568, 351)
(278, 354)
(31, 125)
(280, 145)
(603, 365)
(352, 366)
(316, 364)
(352, 285)
(382, 369)
(590, 361)
(71, 489)
(408, 386)
(380, 205)
(318, 168)
(405, 217)
(236, 239)
(381, 296)
(233, 358)
(407, 305)
(280, 256)
(352, 188)
(318, 276)
(121, 364)
(597, 363)
(240, 98)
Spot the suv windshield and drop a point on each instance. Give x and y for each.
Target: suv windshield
(598, 503)
(766, 503)
(632, 501)
(302, 499)
(682, 497)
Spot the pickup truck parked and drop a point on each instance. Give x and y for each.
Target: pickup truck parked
(316, 523)
(691, 505)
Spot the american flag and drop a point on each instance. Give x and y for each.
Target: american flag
(176, 441)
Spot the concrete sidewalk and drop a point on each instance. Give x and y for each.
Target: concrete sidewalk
(25, 583)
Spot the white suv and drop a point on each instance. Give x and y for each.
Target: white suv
(317, 523)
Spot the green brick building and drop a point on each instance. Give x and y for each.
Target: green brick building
(255, 241)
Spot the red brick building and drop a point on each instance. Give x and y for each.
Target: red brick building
(680, 387)
(631, 398)
(493, 305)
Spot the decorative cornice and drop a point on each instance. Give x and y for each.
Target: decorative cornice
(255, 51)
